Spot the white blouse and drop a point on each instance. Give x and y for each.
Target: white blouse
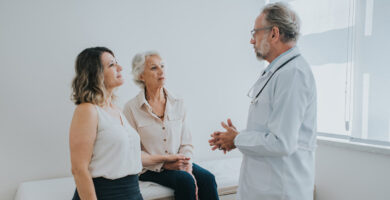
(117, 151)
(160, 137)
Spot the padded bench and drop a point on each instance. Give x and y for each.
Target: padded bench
(226, 173)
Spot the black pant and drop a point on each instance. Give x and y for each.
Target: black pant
(126, 188)
(183, 184)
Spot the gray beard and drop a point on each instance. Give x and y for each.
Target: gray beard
(259, 56)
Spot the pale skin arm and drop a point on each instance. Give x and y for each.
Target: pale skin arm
(150, 160)
(178, 164)
(81, 139)
(168, 160)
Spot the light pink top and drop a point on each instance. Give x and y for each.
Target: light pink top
(159, 137)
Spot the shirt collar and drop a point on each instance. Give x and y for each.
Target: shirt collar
(281, 58)
(141, 98)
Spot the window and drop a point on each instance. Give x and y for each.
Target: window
(371, 75)
(345, 42)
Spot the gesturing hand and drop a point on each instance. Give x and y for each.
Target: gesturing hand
(224, 140)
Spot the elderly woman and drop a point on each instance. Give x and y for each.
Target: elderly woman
(105, 151)
(160, 120)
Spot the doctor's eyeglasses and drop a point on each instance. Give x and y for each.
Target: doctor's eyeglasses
(254, 31)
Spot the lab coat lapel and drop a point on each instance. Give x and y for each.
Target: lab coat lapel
(263, 79)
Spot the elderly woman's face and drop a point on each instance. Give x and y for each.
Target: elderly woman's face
(154, 74)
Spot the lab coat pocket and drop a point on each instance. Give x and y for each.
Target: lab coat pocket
(260, 175)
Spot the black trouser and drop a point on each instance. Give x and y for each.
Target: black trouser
(126, 188)
(184, 185)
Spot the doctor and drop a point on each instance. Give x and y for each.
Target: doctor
(279, 141)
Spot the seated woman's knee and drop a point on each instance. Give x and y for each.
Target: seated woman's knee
(184, 179)
(204, 177)
(208, 177)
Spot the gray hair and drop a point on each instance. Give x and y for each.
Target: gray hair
(138, 65)
(282, 16)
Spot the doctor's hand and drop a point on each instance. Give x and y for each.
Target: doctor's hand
(224, 140)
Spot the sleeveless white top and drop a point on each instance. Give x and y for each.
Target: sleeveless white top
(117, 149)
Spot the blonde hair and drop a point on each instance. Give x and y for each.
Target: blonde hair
(88, 83)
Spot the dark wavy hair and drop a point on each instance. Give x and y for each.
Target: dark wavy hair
(88, 84)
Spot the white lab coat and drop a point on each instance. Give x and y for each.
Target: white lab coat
(279, 141)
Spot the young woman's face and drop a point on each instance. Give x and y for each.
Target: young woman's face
(111, 70)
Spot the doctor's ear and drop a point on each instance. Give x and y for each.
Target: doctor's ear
(275, 32)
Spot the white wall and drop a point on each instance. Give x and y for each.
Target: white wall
(210, 64)
(204, 43)
(350, 172)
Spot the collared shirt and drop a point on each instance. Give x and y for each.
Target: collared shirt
(279, 141)
(160, 137)
(269, 67)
